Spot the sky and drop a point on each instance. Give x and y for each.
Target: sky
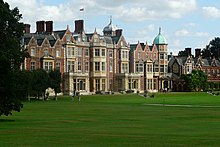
(184, 23)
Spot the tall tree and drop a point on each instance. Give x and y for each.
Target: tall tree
(55, 81)
(11, 57)
(214, 47)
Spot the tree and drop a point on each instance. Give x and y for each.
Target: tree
(196, 81)
(40, 82)
(182, 53)
(55, 81)
(212, 49)
(11, 57)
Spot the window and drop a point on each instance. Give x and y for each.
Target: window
(81, 84)
(103, 66)
(73, 66)
(129, 84)
(149, 68)
(124, 68)
(155, 83)
(86, 52)
(68, 37)
(32, 52)
(149, 83)
(45, 52)
(123, 54)
(68, 52)
(46, 66)
(161, 56)
(70, 66)
(72, 51)
(50, 66)
(97, 53)
(79, 66)
(58, 66)
(146, 55)
(139, 55)
(33, 64)
(97, 84)
(155, 56)
(110, 66)
(79, 52)
(103, 52)
(110, 53)
(139, 67)
(156, 68)
(126, 54)
(134, 83)
(87, 66)
(97, 66)
(103, 84)
(161, 68)
(110, 84)
(58, 53)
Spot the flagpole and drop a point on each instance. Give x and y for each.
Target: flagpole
(82, 10)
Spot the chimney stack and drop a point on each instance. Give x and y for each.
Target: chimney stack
(79, 26)
(49, 26)
(27, 28)
(118, 32)
(198, 52)
(40, 27)
(188, 51)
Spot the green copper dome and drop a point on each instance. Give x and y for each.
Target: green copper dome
(160, 39)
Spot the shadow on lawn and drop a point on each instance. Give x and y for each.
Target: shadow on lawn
(7, 120)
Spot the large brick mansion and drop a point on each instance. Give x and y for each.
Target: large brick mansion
(94, 62)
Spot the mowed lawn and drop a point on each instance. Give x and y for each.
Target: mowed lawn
(116, 121)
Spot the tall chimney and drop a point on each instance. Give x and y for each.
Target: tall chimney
(118, 32)
(40, 27)
(188, 51)
(79, 26)
(198, 52)
(49, 26)
(27, 28)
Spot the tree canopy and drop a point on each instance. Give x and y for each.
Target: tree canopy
(11, 57)
(55, 80)
(196, 81)
(212, 49)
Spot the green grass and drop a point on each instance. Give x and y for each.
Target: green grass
(115, 121)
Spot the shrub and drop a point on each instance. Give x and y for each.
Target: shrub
(129, 91)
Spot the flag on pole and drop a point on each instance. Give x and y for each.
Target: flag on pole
(82, 9)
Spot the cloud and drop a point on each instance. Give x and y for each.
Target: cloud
(201, 34)
(211, 12)
(187, 33)
(126, 10)
(182, 32)
(191, 24)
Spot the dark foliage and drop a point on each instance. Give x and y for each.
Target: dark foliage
(11, 57)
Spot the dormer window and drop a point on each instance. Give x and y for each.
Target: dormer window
(68, 38)
(32, 52)
(58, 53)
(139, 55)
(146, 55)
(45, 52)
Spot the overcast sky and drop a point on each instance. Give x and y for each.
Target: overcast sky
(185, 23)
